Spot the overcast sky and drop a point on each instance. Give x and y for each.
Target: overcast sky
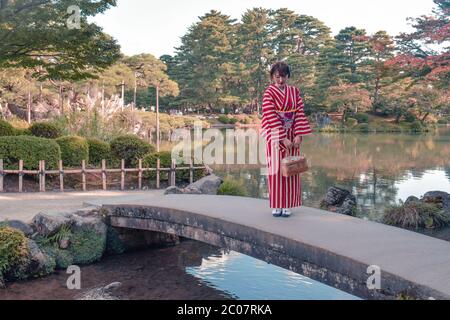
(156, 26)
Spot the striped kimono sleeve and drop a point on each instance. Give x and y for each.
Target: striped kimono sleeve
(272, 126)
(301, 123)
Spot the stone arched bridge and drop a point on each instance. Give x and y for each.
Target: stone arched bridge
(334, 249)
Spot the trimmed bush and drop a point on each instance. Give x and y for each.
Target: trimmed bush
(224, 119)
(442, 121)
(98, 150)
(361, 117)
(73, 150)
(363, 127)
(22, 132)
(416, 127)
(130, 148)
(13, 251)
(409, 117)
(233, 120)
(45, 130)
(416, 215)
(6, 129)
(29, 149)
(232, 187)
(351, 122)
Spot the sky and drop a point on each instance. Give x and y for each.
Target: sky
(148, 26)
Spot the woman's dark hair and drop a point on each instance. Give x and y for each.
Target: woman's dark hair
(282, 68)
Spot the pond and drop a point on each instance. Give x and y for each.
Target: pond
(380, 169)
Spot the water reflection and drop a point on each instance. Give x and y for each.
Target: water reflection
(247, 278)
(380, 169)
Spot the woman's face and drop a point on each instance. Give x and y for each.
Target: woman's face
(279, 80)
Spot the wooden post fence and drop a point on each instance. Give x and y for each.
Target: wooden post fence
(61, 172)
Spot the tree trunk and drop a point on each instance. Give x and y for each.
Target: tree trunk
(425, 117)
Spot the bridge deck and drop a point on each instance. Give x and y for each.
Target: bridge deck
(417, 258)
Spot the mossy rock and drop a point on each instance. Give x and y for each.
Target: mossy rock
(114, 245)
(88, 240)
(63, 258)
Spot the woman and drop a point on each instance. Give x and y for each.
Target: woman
(283, 125)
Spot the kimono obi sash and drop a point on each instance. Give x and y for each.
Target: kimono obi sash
(287, 117)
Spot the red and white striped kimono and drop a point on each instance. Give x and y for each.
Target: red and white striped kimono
(283, 117)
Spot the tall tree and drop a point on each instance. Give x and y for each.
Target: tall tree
(40, 33)
(255, 53)
(352, 51)
(206, 55)
(382, 49)
(425, 53)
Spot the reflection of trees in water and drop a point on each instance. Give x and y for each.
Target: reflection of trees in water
(369, 165)
(391, 154)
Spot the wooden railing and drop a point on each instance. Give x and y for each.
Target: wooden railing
(42, 172)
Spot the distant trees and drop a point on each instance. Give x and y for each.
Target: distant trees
(224, 62)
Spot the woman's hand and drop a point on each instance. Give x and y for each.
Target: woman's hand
(287, 143)
(297, 141)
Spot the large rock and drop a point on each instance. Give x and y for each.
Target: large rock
(335, 196)
(47, 225)
(40, 263)
(173, 190)
(207, 185)
(438, 197)
(411, 200)
(88, 240)
(348, 206)
(19, 225)
(340, 201)
(101, 293)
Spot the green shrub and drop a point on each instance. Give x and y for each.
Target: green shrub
(416, 126)
(149, 161)
(442, 121)
(329, 129)
(416, 215)
(130, 148)
(31, 150)
(232, 187)
(233, 120)
(362, 117)
(224, 119)
(409, 117)
(6, 129)
(13, 250)
(22, 132)
(98, 150)
(45, 130)
(73, 150)
(363, 127)
(351, 122)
